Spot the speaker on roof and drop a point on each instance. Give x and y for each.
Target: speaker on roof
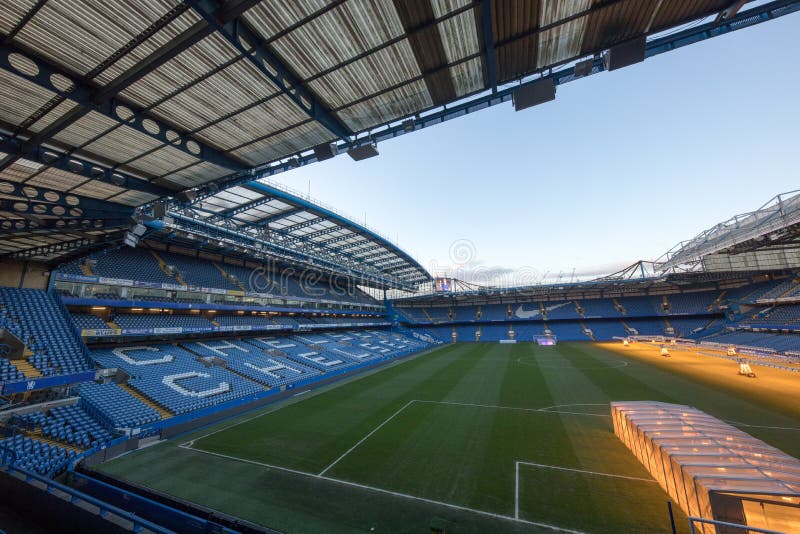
(159, 210)
(625, 54)
(326, 151)
(363, 152)
(534, 94)
(186, 196)
(139, 230)
(583, 68)
(130, 240)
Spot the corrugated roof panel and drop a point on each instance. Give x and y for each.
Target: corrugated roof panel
(285, 143)
(132, 198)
(616, 23)
(51, 116)
(20, 98)
(57, 179)
(161, 38)
(96, 189)
(87, 127)
(163, 161)
(271, 16)
(200, 173)
(401, 102)
(274, 115)
(565, 40)
(338, 35)
(123, 144)
(235, 87)
(468, 76)
(82, 34)
(460, 40)
(19, 170)
(511, 18)
(209, 53)
(12, 13)
(376, 72)
(676, 10)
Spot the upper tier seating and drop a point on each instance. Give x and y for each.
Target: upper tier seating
(128, 264)
(691, 303)
(37, 320)
(87, 321)
(198, 271)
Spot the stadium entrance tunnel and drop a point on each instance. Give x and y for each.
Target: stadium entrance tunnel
(713, 470)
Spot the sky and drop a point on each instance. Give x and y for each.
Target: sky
(621, 166)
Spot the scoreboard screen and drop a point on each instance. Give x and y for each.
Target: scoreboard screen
(444, 285)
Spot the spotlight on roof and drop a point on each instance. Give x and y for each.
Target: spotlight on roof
(534, 94)
(409, 125)
(363, 152)
(326, 151)
(294, 162)
(625, 54)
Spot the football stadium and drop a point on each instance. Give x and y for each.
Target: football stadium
(188, 344)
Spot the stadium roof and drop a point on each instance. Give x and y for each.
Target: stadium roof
(105, 107)
(283, 223)
(775, 224)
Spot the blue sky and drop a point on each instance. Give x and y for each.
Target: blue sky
(621, 167)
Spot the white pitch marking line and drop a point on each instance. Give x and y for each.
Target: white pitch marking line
(545, 466)
(737, 423)
(388, 492)
(597, 473)
(362, 440)
(515, 408)
(547, 408)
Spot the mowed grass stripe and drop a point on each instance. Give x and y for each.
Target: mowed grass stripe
(311, 434)
(462, 454)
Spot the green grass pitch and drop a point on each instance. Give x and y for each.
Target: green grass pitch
(480, 437)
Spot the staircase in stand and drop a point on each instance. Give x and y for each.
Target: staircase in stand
(228, 277)
(620, 308)
(163, 266)
(164, 413)
(717, 301)
(86, 270)
(25, 367)
(586, 331)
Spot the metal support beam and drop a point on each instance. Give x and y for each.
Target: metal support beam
(304, 224)
(326, 231)
(233, 212)
(93, 98)
(395, 128)
(278, 216)
(488, 44)
(43, 201)
(238, 33)
(55, 248)
(33, 226)
(75, 165)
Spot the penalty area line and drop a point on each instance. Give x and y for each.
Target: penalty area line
(388, 492)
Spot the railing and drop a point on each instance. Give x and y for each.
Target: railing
(75, 497)
(744, 528)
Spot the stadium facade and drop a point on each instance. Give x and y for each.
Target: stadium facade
(154, 280)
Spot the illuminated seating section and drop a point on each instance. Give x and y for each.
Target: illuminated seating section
(44, 458)
(88, 321)
(67, 424)
(785, 315)
(132, 320)
(115, 407)
(777, 342)
(37, 320)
